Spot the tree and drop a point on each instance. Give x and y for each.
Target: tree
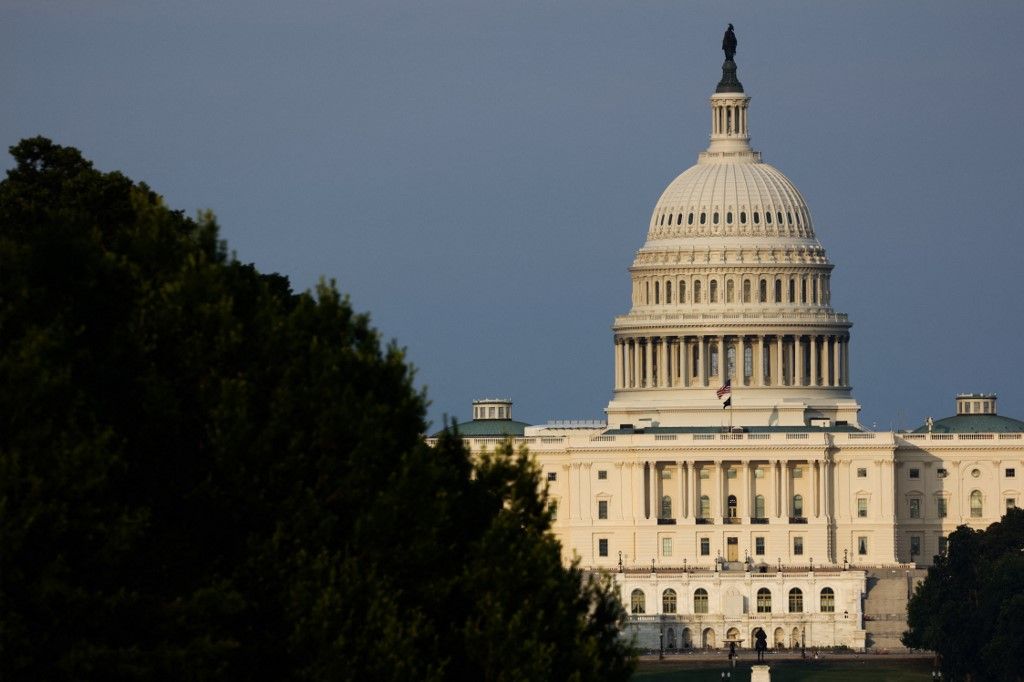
(970, 607)
(204, 475)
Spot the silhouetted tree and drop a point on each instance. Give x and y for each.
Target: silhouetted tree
(205, 476)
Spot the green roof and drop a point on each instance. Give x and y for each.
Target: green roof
(497, 428)
(974, 423)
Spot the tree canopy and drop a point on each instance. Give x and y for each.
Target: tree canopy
(970, 607)
(205, 476)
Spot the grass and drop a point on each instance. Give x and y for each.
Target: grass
(791, 671)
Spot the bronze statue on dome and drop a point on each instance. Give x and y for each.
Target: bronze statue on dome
(729, 44)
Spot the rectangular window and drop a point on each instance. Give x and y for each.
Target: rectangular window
(554, 510)
(602, 547)
(704, 474)
(940, 505)
(1010, 473)
(666, 546)
(862, 545)
(862, 473)
(915, 508)
(759, 546)
(665, 474)
(602, 509)
(941, 473)
(862, 507)
(798, 472)
(798, 546)
(1011, 502)
(552, 476)
(915, 473)
(602, 475)
(759, 473)
(730, 473)
(915, 545)
(705, 546)
(942, 544)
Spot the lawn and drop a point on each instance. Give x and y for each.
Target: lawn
(911, 670)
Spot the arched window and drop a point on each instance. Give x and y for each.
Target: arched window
(682, 291)
(748, 361)
(976, 506)
(789, 217)
(700, 600)
(669, 218)
(757, 218)
(689, 218)
(798, 505)
(705, 507)
(730, 291)
(668, 601)
(714, 217)
(703, 218)
(778, 291)
(792, 291)
(637, 602)
(759, 506)
(743, 217)
(647, 293)
(828, 600)
(728, 217)
(796, 600)
(763, 292)
(764, 600)
(668, 292)
(679, 219)
(713, 291)
(778, 214)
(696, 291)
(657, 292)
(730, 361)
(768, 217)
(803, 290)
(814, 290)
(666, 507)
(731, 503)
(746, 291)
(671, 639)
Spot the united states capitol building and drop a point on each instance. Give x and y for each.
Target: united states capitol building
(778, 511)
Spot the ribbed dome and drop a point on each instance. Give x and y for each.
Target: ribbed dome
(719, 197)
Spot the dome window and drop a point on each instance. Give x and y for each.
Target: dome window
(743, 217)
(703, 218)
(768, 217)
(763, 293)
(689, 218)
(696, 291)
(728, 217)
(669, 218)
(779, 216)
(668, 292)
(682, 291)
(746, 291)
(757, 218)
(713, 291)
(789, 217)
(714, 218)
(662, 221)
(679, 219)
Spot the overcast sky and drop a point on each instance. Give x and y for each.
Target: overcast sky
(479, 175)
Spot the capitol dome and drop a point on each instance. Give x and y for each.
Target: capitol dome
(744, 197)
(731, 296)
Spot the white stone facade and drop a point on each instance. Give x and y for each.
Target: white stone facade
(733, 512)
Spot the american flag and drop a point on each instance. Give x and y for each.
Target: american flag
(726, 389)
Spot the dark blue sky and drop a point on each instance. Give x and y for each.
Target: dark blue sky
(479, 175)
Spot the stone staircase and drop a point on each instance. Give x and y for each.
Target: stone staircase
(885, 608)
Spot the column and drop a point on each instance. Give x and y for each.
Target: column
(655, 480)
(723, 361)
(837, 377)
(702, 364)
(774, 509)
(746, 499)
(622, 471)
(637, 481)
(739, 367)
(778, 362)
(684, 360)
(817, 491)
(814, 360)
(691, 489)
(822, 488)
(798, 360)
(759, 360)
(787, 492)
(720, 471)
(662, 363)
(682, 490)
(649, 364)
(586, 490)
(846, 361)
(618, 363)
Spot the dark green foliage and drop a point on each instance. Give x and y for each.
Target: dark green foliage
(970, 608)
(205, 476)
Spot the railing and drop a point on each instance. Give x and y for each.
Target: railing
(866, 436)
(796, 436)
(759, 519)
(704, 521)
(731, 520)
(666, 522)
(665, 436)
(798, 519)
